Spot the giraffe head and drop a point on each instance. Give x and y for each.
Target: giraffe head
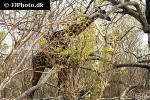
(99, 13)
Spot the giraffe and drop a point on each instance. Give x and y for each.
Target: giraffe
(42, 60)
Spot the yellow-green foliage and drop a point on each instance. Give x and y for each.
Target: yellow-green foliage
(3, 46)
(2, 33)
(82, 45)
(79, 47)
(43, 42)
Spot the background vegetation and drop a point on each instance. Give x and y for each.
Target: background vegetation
(109, 55)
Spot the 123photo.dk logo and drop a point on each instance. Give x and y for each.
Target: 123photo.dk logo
(25, 5)
(39, 4)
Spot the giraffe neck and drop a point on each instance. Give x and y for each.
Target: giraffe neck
(74, 29)
(79, 27)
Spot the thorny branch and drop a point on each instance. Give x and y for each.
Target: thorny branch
(137, 14)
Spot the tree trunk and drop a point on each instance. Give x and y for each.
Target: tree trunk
(147, 12)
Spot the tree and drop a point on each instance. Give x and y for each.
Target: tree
(148, 17)
(107, 54)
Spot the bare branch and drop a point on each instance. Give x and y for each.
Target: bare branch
(44, 80)
(88, 6)
(127, 90)
(133, 65)
(144, 61)
(137, 14)
(126, 33)
(136, 56)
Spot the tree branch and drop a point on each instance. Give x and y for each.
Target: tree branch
(88, 6)
(27, 92)
(137, 14)
(126, 91)
(133, 65)
(144, 61)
